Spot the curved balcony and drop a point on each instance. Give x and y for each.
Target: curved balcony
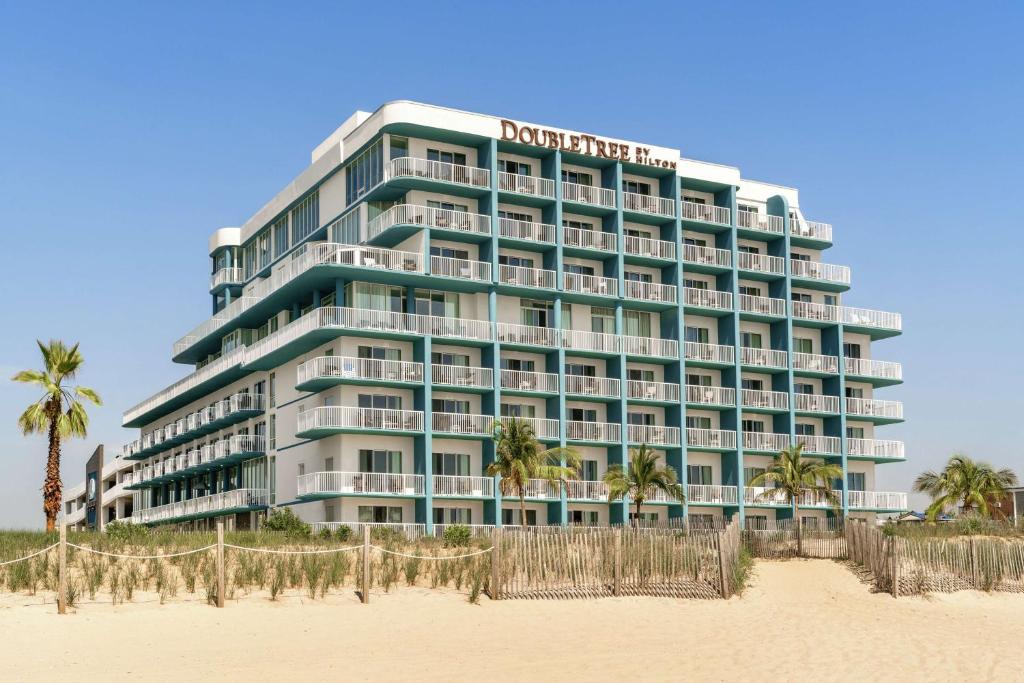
(224, 503)
(435, 175)
(327, 420)
(820, 275)
(874, 410)
(878, 372)
(225, 277)
(877, 324)
(326, 371)
(319, 485)
(875, 449)
(223, 413)
(402, 220)
(809, 233)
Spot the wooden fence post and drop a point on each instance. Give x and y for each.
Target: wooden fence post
(617, 585)
(62, 567)
(365, 587)
(220, 562)
(723, 584)
(894, 553)
(974, 564)
(495, 565)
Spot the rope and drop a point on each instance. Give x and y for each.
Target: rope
(432, 557)
(319, 551)
(29, 557)
(141, 557)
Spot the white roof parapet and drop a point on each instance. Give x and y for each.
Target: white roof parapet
(225, 237)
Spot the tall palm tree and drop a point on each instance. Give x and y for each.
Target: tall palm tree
(965, 482)
(792, 476)
(58, 413)
(519, 457)
(642, 479)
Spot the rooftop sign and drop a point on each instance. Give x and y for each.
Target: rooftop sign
(581, 143)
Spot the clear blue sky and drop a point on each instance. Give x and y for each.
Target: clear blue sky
(129, 132)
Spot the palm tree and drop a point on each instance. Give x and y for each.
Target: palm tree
(519, 457)
(965, 482)
(642, 479)
(58, 413)
(792, 477)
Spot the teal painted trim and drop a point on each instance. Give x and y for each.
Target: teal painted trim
(428, 436)
(843, 443)
(684, 451)
(301, 398)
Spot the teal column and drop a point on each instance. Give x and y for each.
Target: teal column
(487, 449)
(779, 206)
(563, 504)
(737, 341)
(843, 444)
(681, 336)
(620, 270)
(559, 233)
(428, 437)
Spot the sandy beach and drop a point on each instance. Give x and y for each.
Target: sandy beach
(809, 620)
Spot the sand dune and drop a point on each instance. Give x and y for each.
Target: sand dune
(810, 620)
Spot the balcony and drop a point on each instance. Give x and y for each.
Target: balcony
(710, 494)
(766, 496)
(518, 276)
(452, 486)
(761, 263)
(879, 372)
(814, 364)
(652, 435)
(225, 277)
(706, 259)
(877, 500)
(836, 278)
(856, 319)
(649, 347)
(461, 377)
(407, 529)
(650, 292)
(437, 172)
(320, 373)
(526, 231)
(875, 449)
(765, 441)
(709, 355)
(649, 204)
(464, 269)
(581, 341)
(760, 223)
(318, 485)
(588, 194)
(816, 404)
(413, 216)
(527, 336)
(526, 184)
(593, 491)
(523, 382)
(710, 439)
(226, 502)
(765, 401)
(649, 249)
(724, 397)
(462, 424)
(761, 307)
(324, 421)
(223, 413)
(543, 428)
(875, 410)
(706, 213)
(809, 232)
(589, 239)
(538, 489)
(763, 358)
(639, 391)
(593, 388)
(593, 432)
(578, 283)
(707, 299)
(820, 445)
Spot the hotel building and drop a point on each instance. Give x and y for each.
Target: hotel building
(433, 271)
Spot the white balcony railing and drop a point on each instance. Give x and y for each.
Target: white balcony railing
(445, 266)
(877, 369)
(226, 276)
(877, 500)
(526, 230)
(768, 400)
(717, 396)
(527, 335)
(875, 448)
(764, 495)
(827, 445)
(813, 362)
(448, 485)
(718, 439)
(361, 483)
(526, 184)
(543, 428)
(408, 529)
(765, 441)
(654, 435)
(589, 239)
(606, 432)
(461, 376)
(590, 284)
(807, 310)
(710, 494)
(217, 502)
(650, 291)
(640, 390)
(763, 305)
(751, 220)
(810, 229)
(706, 213)
(538, 488)
(766, 358)
(650, 346)
(350, 417)
(823, 272)
(643, 203)
(707, 298)
(581, 340)
(522, 380)
(369, 369)
(588, 194)
(462, 423)
(816, 403)
(709, 353)
(429, 216)
(873, 407)
(413, 167)
(579, 489)
(761, 263)
(526, 277)
(603, 387)
(645, 246)
(720, 258)
(862, 317)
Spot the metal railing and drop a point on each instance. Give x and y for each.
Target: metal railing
(461, 376)
(824, 272)
(429, 216)
(226, 276)
(351, 417)
(875, 448)
(761, 263)
(462, 423)
(828, 445)
(526, 277)
(582, 340)
(816, 403)
(376, 483)
(877, 500)
(645, 246)
(709, 353)
(449, 485)
(413, 167)
(371, 369)
(526, 184)
(606, 432)
(813, 362)
(719, 396)
(751, 220)
(446, 266)
(652, 391)
(589, 239)
(719, 439)
(653, 435)
(873, 407)
(763, 305)
(650, 291)
(588, 194)
(767, 358)
(878, 369)
(810, 229)
(650, 346)
(194, 507)
(707, 298)
(579, 489)
(604, 387)
(706, 213)
(765, 441)
(590, 284)
(408, 529)
(721, 258)
(631, 201)
(526, 230)
(528, 335)
(768, 400)
(711, 494)
(523, 380)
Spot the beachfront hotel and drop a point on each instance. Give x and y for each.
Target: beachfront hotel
(433, 271)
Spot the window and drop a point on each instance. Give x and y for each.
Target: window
(380, 401)
(272, 437)
(854, 392)
(449, 252)
(513, 167)
(639, 375)
(520, 365)
(747, 249)
(855, 481)
(802, 429)
(583, 517)
(399, 147)
(749, 473)
(799, 257)
(802, 298)
(518, 410)
(693, 241)
(451, 464)
(280, 230)
(830, 299)
(645, 517)
(632, 276)
(577, 269)
(636, 187)
(698, 422)
(272, 398)
(375, 297)
(515, 216)
(449, 405)
(378, 353)
(854, 432)
(511, 517)
(698, 474)
(437, 303)
(803, 388)
(749, 208)
(447, 206)
(379, 514)
(752, 384)
(695, 284)
(302, 468)
(697, 380)
(578, 177)
(536, 313)
(696, 335)
(602, 320)
(750, 291)
(582, 415)
(641, 419)
(381, 461)
(753, 426)
(305, 217)
(757, 522)
(444, 157)
(803, 345)
(516, 261)
(851, 350)
(453, 516)
(446, 358)
(636, 323)
(588, 470)
(750, 340)
(578, 225)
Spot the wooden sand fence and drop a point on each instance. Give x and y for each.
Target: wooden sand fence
(590, 562)
(778, 539)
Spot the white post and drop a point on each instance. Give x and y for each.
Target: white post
(62, 567)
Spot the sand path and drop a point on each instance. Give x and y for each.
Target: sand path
(807, 620)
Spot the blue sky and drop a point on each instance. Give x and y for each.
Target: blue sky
(129, 132)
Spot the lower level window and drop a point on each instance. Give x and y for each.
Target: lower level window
(510, 517)
(583, 517)
(380, 514)
(702, 521)
(453, 516)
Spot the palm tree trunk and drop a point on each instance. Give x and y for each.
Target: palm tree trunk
(52, 488)
(636, 520)
(799, 530)
(522, 509)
